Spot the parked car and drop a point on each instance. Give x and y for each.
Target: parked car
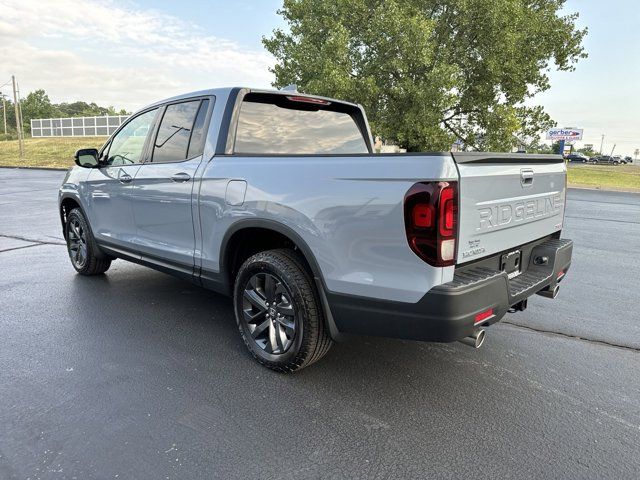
(577, 157)
(627, 159)
(276, 199)
(605, 160)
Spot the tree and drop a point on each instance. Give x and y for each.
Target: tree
(81, 109)
(36, 105)
(555, 147)
(538, 147)
(430, 71)
(11, 116)
(589, 152)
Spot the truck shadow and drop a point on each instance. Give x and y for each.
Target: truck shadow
(159, 313)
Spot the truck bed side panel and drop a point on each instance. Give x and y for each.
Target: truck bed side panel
(347, 209)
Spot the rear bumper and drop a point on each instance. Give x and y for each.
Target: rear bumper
(448, 312)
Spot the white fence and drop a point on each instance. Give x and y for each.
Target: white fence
(76, 126)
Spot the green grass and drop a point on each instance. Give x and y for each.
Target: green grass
(605, 177)
(45, 152)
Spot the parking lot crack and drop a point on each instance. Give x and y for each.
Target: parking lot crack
(24, 246)
(30, 240)
(580, 217)
(574, 337)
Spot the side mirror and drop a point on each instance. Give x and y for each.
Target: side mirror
(86, 158)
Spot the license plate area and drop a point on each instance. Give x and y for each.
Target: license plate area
(511, 263)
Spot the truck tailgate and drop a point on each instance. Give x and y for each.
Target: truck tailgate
(507, 200)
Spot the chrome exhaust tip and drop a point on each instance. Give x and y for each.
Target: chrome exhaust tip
(476, 339)
(550, 292)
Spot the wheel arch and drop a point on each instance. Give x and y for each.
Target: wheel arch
(68, 203)
(232, 255)
(239, 234)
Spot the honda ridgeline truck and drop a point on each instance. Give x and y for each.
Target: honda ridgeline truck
(277, 199)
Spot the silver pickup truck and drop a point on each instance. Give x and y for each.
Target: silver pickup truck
(277, 199)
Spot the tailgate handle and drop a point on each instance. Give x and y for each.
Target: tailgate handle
(526, 177)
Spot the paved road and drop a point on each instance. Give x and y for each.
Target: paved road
(138, 375)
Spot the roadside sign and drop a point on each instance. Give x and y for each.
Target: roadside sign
(565, 134)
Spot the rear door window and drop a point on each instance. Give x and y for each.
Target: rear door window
(277, 126)
(176, 131)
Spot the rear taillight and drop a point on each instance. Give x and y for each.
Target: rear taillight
(431, 221)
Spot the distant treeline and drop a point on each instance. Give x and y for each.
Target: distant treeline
(38, 105)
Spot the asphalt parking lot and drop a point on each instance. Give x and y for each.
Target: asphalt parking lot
(138, 375)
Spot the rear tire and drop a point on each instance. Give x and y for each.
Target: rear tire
(278, 311)
(84, 253)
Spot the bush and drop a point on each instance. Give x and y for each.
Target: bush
(8, 136)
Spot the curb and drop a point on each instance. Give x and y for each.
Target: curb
(59, 169)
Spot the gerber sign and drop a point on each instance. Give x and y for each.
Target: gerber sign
(565, 134)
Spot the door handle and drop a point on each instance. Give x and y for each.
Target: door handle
(125, 178)
(181, 177)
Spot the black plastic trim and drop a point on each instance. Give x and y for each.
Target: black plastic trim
(288, 232)
(349, 155)
(220, 281)
(447, 312)
(176, 269)
(227, 116)
(101, 253)
(517, 158)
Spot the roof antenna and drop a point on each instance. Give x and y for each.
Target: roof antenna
(290, 88)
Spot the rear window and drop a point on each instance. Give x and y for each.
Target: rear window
(274, 125)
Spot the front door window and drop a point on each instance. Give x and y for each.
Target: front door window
(127, 146)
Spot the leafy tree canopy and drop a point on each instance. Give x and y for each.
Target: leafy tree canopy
(431, 71)
(37, 105)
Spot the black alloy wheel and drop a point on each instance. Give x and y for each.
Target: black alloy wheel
(84, 253)
(269, 313)
(278, 311)
(77, 242)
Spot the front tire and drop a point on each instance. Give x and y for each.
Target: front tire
(83, 250)
(278, 311)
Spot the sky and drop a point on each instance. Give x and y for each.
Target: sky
(132, 52)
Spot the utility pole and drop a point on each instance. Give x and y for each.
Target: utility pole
(4, 112)
(20, 108)
(601, 143)
(17, 108)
